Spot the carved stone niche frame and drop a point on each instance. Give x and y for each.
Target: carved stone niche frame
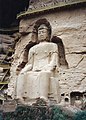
(54, 39)
(61, 51)
(76, 96)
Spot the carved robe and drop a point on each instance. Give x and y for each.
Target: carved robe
(34, 81)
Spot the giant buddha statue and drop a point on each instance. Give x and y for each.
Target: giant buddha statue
(39, 77)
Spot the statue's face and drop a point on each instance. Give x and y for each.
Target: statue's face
(77, 97)
(43, 35)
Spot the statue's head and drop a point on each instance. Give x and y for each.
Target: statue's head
(43, 33)
(77, 97)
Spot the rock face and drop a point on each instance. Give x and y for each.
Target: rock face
(6, 51)
(41, 4)
(70, 27)
(6, 45)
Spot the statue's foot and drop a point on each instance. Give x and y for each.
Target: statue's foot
(44, 98)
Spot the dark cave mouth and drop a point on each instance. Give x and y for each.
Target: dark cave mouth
(9, 10)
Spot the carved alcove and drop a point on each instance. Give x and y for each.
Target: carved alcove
(24, 51)
(61, 51)
(54, 39)
(74, 96)
(66, 98)
(34, 28)
(84, 100)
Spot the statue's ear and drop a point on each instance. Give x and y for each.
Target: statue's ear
(61, 51)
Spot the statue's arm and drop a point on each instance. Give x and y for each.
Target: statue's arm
(29, 65)
(53, 64)
(54, 61)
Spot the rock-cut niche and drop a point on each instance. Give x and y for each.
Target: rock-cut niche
(54, 39)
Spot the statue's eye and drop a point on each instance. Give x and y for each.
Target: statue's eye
(39, 32)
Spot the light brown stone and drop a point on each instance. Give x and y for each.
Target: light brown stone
(70, 26)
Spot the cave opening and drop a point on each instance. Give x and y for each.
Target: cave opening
(9, 10)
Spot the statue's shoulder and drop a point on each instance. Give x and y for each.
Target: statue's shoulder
(46, 44)
(32, 49)
(52, 45)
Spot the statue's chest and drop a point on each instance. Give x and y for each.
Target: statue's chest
(42, 52)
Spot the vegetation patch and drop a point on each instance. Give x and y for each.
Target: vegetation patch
(40, 113)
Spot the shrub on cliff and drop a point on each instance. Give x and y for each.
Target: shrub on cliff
(57, 114)
(80, 115)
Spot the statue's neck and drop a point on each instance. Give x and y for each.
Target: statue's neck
(43, 42)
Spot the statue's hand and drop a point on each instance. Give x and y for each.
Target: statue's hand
(49, 68)
(26, 68)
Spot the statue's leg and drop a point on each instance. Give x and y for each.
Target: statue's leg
(55, 89)
(44, 84)
(20, 86)
(31, 85)
(37, 85)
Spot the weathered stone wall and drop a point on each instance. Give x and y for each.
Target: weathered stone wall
(7, 44)
(41, 4)
(70, 26)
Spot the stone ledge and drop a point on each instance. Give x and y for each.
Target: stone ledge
(59, 5)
